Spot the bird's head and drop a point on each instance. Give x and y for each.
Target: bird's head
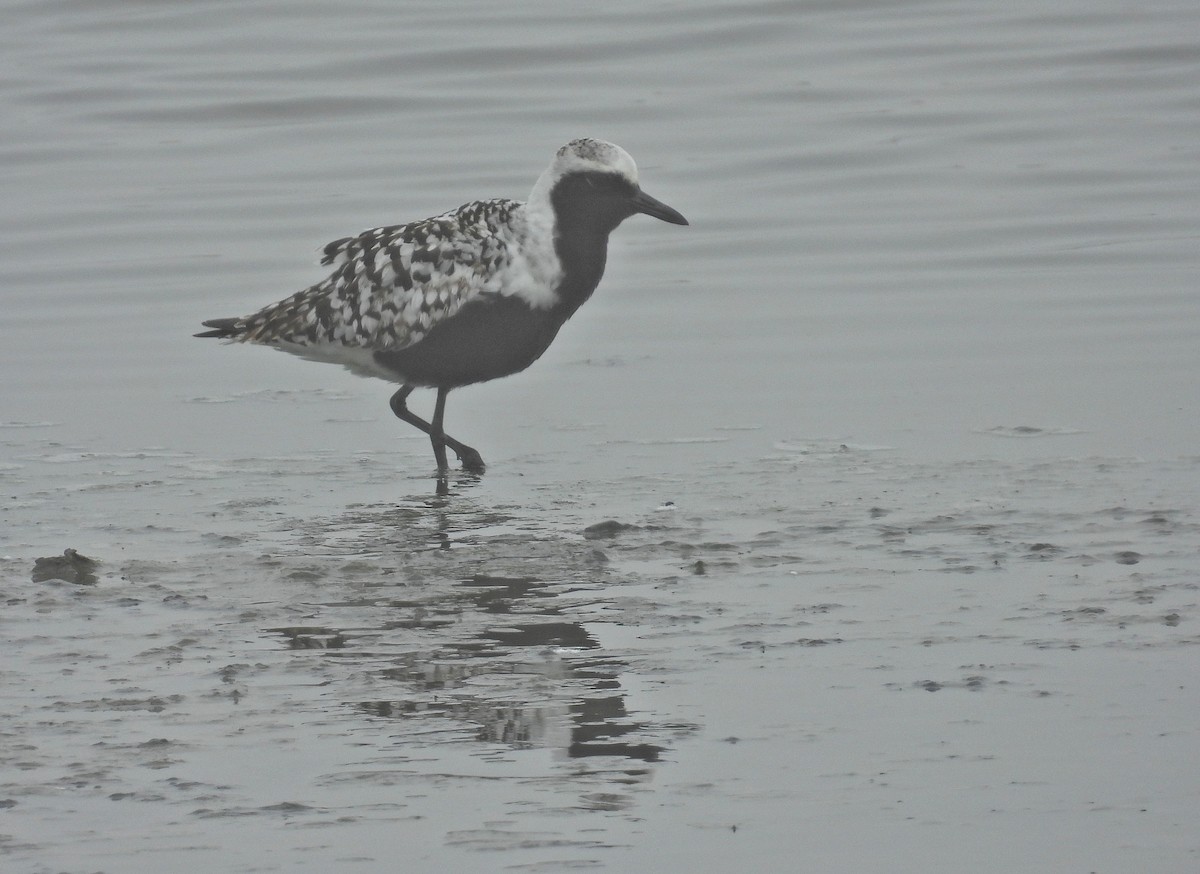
(593, 185)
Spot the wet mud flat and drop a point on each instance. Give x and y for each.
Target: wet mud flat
(828, 652)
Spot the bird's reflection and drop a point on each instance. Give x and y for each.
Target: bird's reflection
(475, 627)
(448, 482)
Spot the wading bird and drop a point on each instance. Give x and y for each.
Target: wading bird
(470, 295)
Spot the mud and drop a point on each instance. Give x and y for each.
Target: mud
(783, 652)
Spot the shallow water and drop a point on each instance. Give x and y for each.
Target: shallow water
(855, 523)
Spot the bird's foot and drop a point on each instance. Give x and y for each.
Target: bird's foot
(472, 461)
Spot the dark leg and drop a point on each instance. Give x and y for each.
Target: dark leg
(437, 435)
(471, 459)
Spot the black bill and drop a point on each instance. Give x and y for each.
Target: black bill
(648, 205)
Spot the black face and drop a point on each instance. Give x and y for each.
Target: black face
(595, 203)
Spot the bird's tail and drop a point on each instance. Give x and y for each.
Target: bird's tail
(226, 329)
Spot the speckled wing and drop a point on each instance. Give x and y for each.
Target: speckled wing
(390, 286)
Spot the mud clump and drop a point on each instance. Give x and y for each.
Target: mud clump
(606, 529)
(70, 567)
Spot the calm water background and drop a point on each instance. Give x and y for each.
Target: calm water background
(960, 237)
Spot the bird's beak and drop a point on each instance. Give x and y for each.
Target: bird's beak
(644, 203)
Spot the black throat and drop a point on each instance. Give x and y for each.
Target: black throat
(587, 208)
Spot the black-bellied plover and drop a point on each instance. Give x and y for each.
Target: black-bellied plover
(470, 295)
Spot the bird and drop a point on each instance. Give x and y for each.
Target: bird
(474, 294)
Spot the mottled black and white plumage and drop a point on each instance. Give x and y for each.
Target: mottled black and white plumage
(470, 295)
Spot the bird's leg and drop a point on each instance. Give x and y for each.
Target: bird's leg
(471, 459)
(437, 435)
